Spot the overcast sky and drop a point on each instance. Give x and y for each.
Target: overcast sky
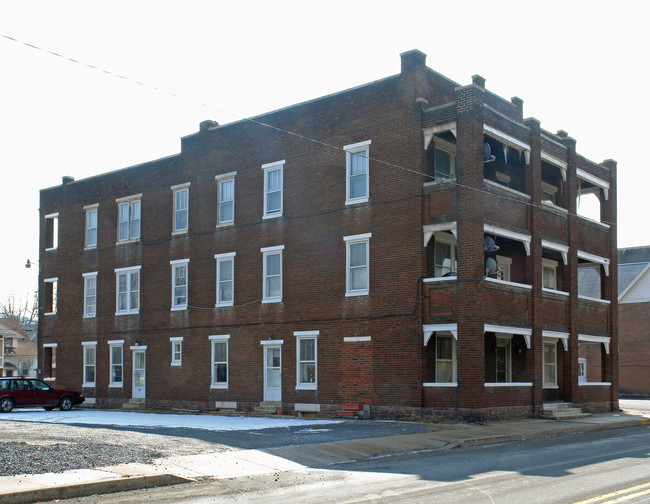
(574, 63)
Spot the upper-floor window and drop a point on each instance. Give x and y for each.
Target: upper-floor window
(128, 290)
(128, 218)
(357, 157)
(273, 189)
(225, 278)
(179, 284)
(91, 226)
(272, 289)
(90, 294)
(445, 254)
(50, 295)
(226, 211)
(549, 193)
(357, 264)
(549, 274)
(181, 207)
(52, 231)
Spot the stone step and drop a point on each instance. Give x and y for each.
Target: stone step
(562, 411)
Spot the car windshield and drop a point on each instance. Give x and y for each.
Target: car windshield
(39, 385)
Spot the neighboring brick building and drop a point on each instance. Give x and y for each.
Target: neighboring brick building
(335, 252)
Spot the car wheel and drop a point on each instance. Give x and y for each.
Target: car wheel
(65, 404)
(6, 405)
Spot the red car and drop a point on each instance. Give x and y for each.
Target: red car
(19, 392)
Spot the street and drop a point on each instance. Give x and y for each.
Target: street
(596, 467)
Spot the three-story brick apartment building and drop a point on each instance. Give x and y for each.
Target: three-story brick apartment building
(411, 245)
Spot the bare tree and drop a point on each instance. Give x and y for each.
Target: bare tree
(25, 312)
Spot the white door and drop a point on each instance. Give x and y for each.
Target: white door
(272, 373)
(139, 374)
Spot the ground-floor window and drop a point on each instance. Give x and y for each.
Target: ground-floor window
(306, 351)
(116, 363)
(90, 357)
(503, 360)
(441, 358)
(550, 364)
(219, 360)
(49, 361)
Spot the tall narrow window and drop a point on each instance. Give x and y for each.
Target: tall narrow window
(116, 363)
(549, 268)
(52, 231)
(273, 189)
(179, 284)
(445, 256)
(357, 166)
(128, 218)
(306, 351)
(49, 361)
(357, 259)
(550, 364)
(50, 295)
(91, 226)
(443, 164)
(90, 294)
(226, 198)
(219, 360)
(181, 207)
(90, 355)
(503, 360)
(445, 359)
(225, 278)
(272, 273)
(177, 350)
(128, 290)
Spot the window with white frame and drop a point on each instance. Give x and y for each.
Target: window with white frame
(50, 295)
(357, 157)
(550, 364)
(444, 160)
(226, 193)
(549, 274)
(128, 290)
(179, 283)
(307, 355)
(52, 231)
(445, 254)
(116, 348)
(502, 179)
(181, 207)
(225, 278)
(128, 218)
(90, 294)
(49, 361)
(445, 358)
(273, 189)
(91, 225)
(177, 350)
(219, 345)
(582, 370)
(272, 289)
(504, 264)
(90, 363)
(357, 264)
(549, 193)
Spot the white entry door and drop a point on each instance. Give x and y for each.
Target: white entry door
(272, 373)
(139, 374)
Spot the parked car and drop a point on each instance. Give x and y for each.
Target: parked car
(19, 392)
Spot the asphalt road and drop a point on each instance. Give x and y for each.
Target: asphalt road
(597, 467)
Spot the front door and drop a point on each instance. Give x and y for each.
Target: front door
(139, 374)
(272, 373)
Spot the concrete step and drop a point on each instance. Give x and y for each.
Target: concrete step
(268, 407)
(562, 411)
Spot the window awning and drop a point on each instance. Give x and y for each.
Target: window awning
(562, 165)
(431, 328)
(430, 229)
(506, 233)
(438, 128)
(596, 259)
(592, 179)
(508, 141)
(588, 338)
(558, 247)
(558, 335)
(526, 333)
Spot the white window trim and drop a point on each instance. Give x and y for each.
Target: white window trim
(55, 294)
(266, 251)
(129, 200)
(300, 336)
(595, 259)
(562, 336)
(430, 229)
(429, 329)
(453, 244)
(86, 276)
(176, 264)
(224, 178)
(55, 230)
(84, 345)
(508, 331)
(582, 360)
(220, 338)
(228, 256)
(549, 342)
(351, 149)
(276, 165)
(454, 358)
(111, 344)
(562, 165)
(176, 189)
(129, 270)
(525, 239)
(88, 209)
(351, 240)
(177, 340)
(588, 338)
(550, 263)
(592, 179)
(558, 247)
(51, 345)
(449, 148)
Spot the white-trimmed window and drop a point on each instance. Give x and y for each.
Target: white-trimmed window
(444, 160)
(445, 254)
(128, 218)
(181, 207)
(179, 283)
(116, 348)
(91, 225)
(307, 359)
(272, 289)
(52, 231)
(273, 189)
(128, 290)
(90, 294)
(505, 265)
(549, 274)
(225, 278)
(357, 157)
(50, 295)
(177, 350)
(549, 193)
(226, 193)
(582, 370)
(550, 364)
(90, 363)
(219, 360)
(49, 361)
(446, 360)
(357, 264)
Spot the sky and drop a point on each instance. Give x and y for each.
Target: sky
(146, 73)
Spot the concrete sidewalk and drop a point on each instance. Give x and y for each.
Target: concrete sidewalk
(235, 463)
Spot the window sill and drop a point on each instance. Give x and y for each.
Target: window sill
(225, 305)
(179, 308)
(550, 387)
(357, 201)
(307, 386)
(88, 385)
(48, 314)
(130, 240)
(51, 248)
(49, 379)
(272, 216)
(593, 221)
(177, 364)
(510, 284)
(90, 316)
(553, 206)
(440, 181)
(119, 314)
(509, 384)
(587, 298)
(496, 185)
(226, 224)
(442, 385)
(597, 384)
(219, 386)
(271, 300)
(440, 279)
(179, 232)
(553, 291)
(90, 247)
(353, 294)
(116, 385)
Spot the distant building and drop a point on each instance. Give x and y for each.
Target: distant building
(410, 246)
(18, 350)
